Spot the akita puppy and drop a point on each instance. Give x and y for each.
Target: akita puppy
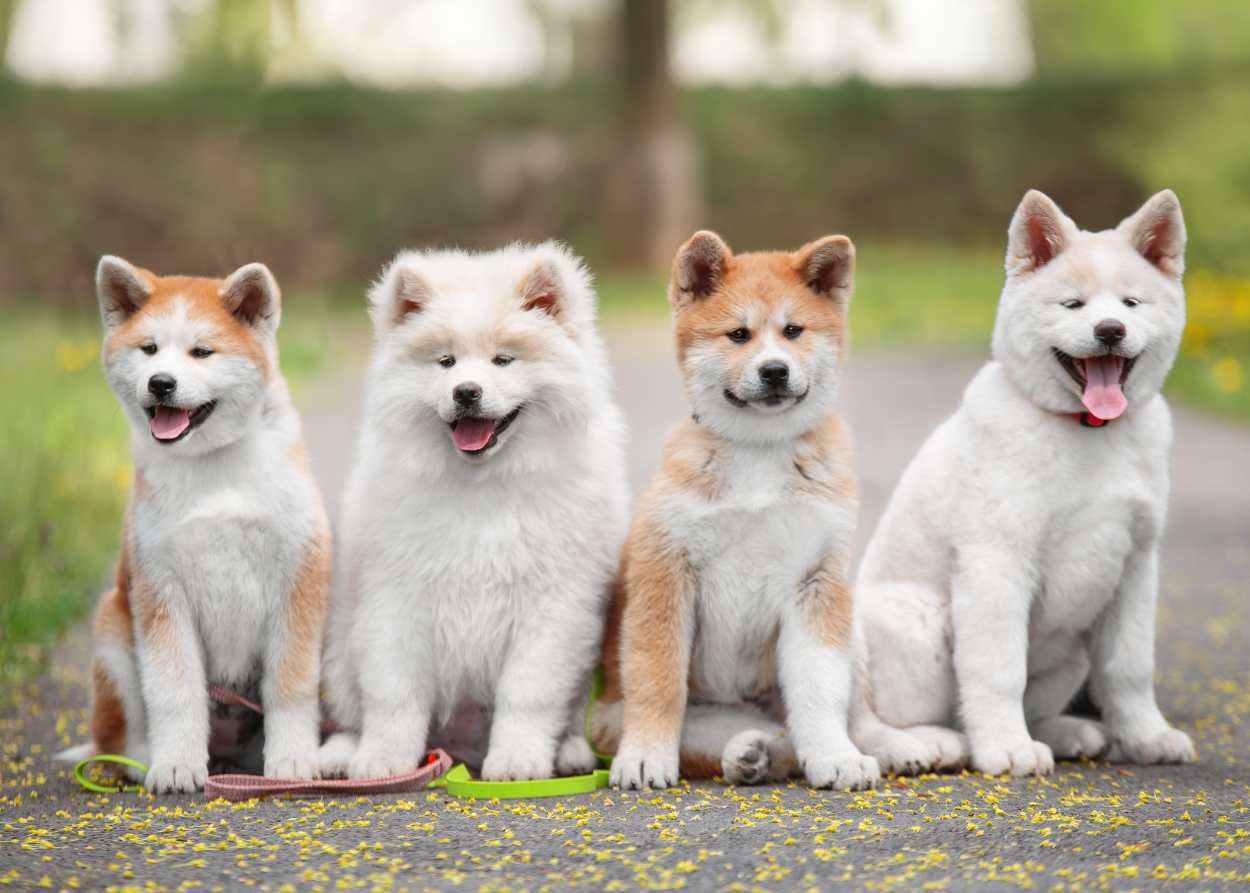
(483, 520)
(1019, 555)
(225, 554)
(729, 647)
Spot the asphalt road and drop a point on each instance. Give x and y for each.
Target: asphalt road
(1088, 827)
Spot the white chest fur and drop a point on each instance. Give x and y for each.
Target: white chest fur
(749, 548)
(220, 539)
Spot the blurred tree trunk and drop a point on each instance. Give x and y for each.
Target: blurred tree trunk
(656, 199)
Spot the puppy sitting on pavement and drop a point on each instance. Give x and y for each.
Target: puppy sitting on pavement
(482, 522)
(225, 555)
(1019, 556)
(730, 641)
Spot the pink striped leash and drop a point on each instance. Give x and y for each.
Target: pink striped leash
(245, 787)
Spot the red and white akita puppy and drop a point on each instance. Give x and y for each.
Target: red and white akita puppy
(729, 642)
(225, 552)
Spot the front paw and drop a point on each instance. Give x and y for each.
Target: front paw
(513, 763)
(291, 766)
(335, 757)
(1024, 757)
(635, 768)
(843, 772)
(1169, 746)
(575, 756)
(176, 777)
(369, 764)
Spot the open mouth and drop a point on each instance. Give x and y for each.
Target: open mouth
(170, 424)
(1101, 380)
(771, 400)
(474, 435)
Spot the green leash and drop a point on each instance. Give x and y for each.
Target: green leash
(459, 783)
(119, 786)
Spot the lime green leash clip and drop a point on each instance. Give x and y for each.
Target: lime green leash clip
(80, 774)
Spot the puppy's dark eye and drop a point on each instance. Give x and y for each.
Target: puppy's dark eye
(502, 360)
(447, 362)
(792, 331)
(1131, 302)
(149, 349)
(739, 336)
(1074, 304)
(201, 352)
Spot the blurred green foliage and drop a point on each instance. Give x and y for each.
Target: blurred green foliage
(325, 183)
(1082, 39)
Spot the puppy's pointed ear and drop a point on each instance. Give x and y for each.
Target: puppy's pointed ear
(1157, 232)
(827, 267)
(543, 290)
(698, 268)
(1038, 233)
(120, 288)
(252, 295)
(400, 293)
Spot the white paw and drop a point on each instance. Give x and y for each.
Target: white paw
(745, 759)
(284, 766)
(517, 764)
(635, 769)
(575, 756)
(902, 754)
(847, 772)
(365, 764)
(1024, 757)
(1169, 746)
(951, 747)
(176, 778)
(1073, 737)
(335, 756)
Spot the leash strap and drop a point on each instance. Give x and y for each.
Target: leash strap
(247, 787)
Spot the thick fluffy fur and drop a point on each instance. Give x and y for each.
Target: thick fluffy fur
(225, 556)
(729, 647)
(1019, 555)
(477, 578)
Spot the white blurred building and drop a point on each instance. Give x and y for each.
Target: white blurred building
(470, 43)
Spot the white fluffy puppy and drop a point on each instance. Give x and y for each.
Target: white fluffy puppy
(483, 521)
(1019, 555)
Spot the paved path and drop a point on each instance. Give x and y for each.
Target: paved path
(1090, 827)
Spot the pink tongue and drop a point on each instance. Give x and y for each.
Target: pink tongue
(472, 434)
(169, 423)
(1103, 396)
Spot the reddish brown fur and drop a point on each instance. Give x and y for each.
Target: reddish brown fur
(202, 297)
(298, 667)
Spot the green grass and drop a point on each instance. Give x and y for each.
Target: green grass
(66, 472)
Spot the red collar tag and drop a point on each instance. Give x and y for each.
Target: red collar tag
(1089, 420)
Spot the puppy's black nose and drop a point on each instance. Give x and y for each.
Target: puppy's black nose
(1110, 332)
(775, 374)
(467, 394)
(161, 385)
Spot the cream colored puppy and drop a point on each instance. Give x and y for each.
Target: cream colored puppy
(482, 523)
(1019, 555)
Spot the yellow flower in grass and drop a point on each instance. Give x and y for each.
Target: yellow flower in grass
(72, 356)
(1228, 374)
